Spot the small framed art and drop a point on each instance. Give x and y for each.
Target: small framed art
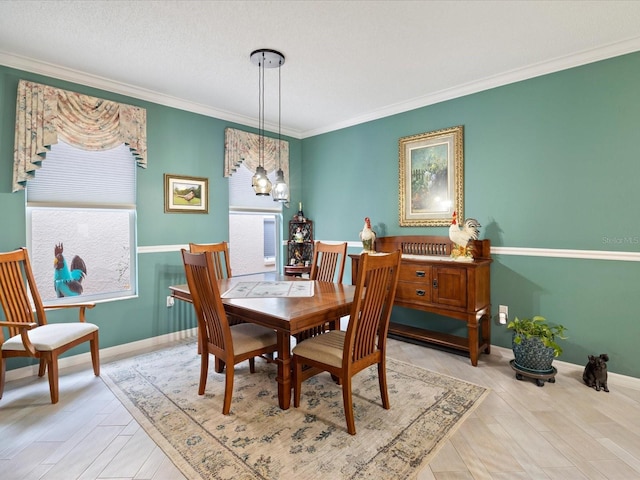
(185, 194)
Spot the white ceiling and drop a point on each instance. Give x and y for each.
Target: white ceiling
(346, 61)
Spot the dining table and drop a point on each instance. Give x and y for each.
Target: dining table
(287, 315)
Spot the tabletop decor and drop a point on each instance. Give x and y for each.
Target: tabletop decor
(259, 440)
(270, 289)
(431, 173)
(185, 194)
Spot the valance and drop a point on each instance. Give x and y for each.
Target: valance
(244, 147)
(44, 113)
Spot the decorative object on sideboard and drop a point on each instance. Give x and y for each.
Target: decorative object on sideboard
(535, 345)
(265, 58)
(595, 372)
(460, 236)
(368, 237)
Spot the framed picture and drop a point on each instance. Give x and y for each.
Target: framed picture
(431, 178)
(185, 194)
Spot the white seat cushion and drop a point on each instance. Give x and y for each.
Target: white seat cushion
(51, 336)
(248, 337)
(326, 348)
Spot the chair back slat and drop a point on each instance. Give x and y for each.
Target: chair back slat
(220, 255)
(375, 292)
(212, 319)
(19, 297)
(328, 262)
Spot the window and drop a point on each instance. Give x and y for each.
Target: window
(81, 205)
(254, 226)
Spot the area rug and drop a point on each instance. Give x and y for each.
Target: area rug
(258, 440)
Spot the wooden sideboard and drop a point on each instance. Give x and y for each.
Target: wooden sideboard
(431, 282)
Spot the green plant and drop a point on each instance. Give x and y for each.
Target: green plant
(537, 327)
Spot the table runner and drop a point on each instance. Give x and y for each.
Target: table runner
(270, 289)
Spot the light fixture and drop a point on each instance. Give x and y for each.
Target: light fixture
(265, 58)
(280, 189)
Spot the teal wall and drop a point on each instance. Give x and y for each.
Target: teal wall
(550, 162)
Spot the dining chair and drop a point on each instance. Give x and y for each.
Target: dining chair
(328, 261)
(327, 266)
(222, 266)
(220, 254)
(29, 333)
(229, 344)
(345, 353)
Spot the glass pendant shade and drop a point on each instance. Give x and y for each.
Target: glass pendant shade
(260, 182)
(265, 58)
(280, 189)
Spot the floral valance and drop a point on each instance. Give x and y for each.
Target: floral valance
(44, 114)
(244, 147)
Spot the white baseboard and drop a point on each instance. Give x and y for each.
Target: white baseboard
(134, 347)
(106, 354)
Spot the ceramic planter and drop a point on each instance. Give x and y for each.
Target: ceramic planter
(532, 355)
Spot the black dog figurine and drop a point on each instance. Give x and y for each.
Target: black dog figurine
(595, 373)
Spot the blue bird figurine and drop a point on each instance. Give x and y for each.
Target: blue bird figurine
(67, 282)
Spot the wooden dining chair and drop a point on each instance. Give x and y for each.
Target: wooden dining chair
(220, 254)
(328, 261)
(222, 266)
(345, 353)
(230, 344)
(327, 266)
(29, 333)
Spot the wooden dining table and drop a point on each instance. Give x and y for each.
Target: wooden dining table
(286, 315)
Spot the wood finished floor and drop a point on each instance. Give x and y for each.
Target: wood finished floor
(561, 431)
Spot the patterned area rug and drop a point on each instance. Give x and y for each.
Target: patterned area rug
(258, 440)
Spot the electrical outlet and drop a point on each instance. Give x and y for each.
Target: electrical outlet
(170, 301)
(503, 314)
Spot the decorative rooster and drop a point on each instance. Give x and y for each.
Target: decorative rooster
(67, 282)
(460, 236)
(367, 236)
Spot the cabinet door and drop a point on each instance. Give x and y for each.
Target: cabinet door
(450, 286)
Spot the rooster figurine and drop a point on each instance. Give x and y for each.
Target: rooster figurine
(460, 236)
(67, 282)
(367, 236)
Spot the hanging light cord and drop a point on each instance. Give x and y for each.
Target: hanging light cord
(279, 109)
(261, 113)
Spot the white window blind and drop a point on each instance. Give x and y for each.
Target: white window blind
(71, 176)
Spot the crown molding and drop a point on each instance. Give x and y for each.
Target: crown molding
(531, 71)
(75, 76)
(506, 78)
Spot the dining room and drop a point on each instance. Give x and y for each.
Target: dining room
(546, 166)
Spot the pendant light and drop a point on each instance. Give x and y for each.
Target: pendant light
(280, 189)
(264, 58)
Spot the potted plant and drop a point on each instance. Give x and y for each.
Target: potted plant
(535, 343)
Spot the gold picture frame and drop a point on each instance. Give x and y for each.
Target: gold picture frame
(431, 177)
(185, 194)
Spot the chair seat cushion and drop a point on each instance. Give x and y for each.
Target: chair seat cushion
(51, 336)
(248, 337)
(326, 348)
